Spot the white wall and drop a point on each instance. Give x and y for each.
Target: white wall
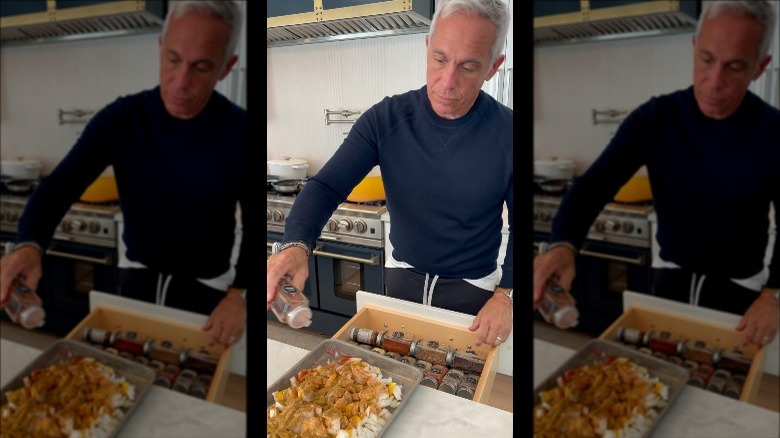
(38, 80)
(572, 80)
(304, 80)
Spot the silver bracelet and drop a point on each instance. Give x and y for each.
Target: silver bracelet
(279, 247)
(12, 247)
(560, 243)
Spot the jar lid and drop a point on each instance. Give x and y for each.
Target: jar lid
(32, 317)
(289, 161)
(566, 317)
(300, 317)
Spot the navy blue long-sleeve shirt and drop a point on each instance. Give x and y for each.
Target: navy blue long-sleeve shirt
(712, 182)
(179, 182)
(446, 183)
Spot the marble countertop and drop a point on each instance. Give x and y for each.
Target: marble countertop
(696, 413)
(428, 412)
(161, 413)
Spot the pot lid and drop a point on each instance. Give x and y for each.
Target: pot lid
(288, 161)
(22, 162)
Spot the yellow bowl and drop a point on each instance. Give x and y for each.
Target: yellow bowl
(637, 189)
(371, 189)
(103, 189)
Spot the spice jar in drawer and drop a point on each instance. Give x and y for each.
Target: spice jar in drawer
(431, 351)
(434, 376)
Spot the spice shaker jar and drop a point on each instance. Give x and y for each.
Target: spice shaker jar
(468, 362)
(434, 376)
(661, 342)
(468, 386)
(451, 381)
(396, 343)
(430, 351)
(735, 361)
(24, 306)
(126, 342)
(290, 305)
(558, 307)
(734, 386)
(629, 335)
(202, 362)
(700, 352)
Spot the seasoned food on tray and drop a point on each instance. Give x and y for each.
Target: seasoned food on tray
(613, 397)
(347, 398)
(78, 398)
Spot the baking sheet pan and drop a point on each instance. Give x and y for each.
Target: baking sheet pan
(674, 376)
(406, 375)
(141, 376)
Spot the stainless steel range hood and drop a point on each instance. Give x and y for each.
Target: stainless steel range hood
(594, 20)
(327, 20)
(97, 20)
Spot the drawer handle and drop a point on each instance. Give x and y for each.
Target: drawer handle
(641, 260)
(374, 260)
(104, 261)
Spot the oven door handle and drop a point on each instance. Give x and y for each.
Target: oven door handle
(374, 260)
(640, 261)
(107, 260)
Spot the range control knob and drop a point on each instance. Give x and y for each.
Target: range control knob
(545, 216)
(12, 216)
(360, 226)
(628, 227)
(332, 225)
(94, 227)
(268, 215)
(599, 225)
(611, 225)
(78, 225)
(278, 216)
(345, 225)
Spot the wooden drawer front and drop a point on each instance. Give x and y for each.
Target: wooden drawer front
(378, 319)
(719, 335)
(148, 327)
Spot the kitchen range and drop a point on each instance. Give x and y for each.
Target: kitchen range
(81, 257)
(616, 256)
(347, 257)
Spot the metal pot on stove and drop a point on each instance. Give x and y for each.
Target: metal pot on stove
(287, 186)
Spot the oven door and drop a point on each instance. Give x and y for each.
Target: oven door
(310, 288)
(604, 272)
(342, 270)
(70, 272)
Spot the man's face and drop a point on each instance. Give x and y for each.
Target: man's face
(192, 61)
(458, 55)
(725, 62)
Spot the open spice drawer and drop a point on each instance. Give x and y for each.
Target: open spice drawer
(181, 336)
(679, 326)
(448, 335)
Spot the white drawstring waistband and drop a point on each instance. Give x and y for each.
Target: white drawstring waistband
(428, 294)
(695, 291)
(162, 288)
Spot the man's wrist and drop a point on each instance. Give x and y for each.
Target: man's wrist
(562, 244)
(279, 247)
(238, 291)
(773, 292)
(13, 247)
(507, 293)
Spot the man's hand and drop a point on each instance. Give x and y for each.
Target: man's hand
(759, 323)
(227, 321)
(293, 262)
(559, 263)
(493, 322)
(25, 262)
